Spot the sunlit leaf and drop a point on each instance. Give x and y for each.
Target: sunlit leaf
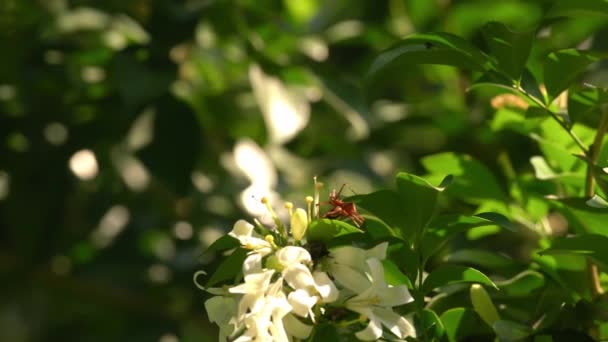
(472, 180)
(583, 216)
(462, 323)
(563, 67)
(590, 245)
(327, 229)
(393, 275)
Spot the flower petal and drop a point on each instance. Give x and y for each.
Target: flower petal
(301, 302)
(395, 323)
(379, 251)
(372, 332)
(298, 276)
(292, 254)
(252, 264)
(326, 288)
(240, 229)
(296, 328)
(395, 296)
(349, 278)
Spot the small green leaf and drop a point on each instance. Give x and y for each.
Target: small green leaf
(511, 331)
(393, 275)
(433, 48)
(461, 323)
(594, 246)
(326, 229)
(511, 49)
(522, 285)
(563, 67)
(454, 274)
(482, 303)
(229, 268)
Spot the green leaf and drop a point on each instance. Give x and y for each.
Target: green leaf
(224, 243)
(327, 229)
(433, 48)
(584, 217)
(229, 268)
(511, 331)
(418, 200)
(445, 227)
(431, 323)
(472, 180)
(584, 104)
(407, 260)
(461, 323)
(384, 204)
(578, 8)
(393, 275)
(325, 332)
(594, 246)
(562, 68)
(480, 257)
(454, 274)
(483, 305)
(522, 285)
(511, 49)
(407, 210)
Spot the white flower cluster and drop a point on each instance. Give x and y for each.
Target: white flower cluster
(284, 293)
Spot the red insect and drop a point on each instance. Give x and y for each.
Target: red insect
(342, 209)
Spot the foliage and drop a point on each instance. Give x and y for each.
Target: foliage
(135, 133)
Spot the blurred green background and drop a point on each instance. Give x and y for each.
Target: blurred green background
(135, 132)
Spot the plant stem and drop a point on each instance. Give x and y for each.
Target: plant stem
(574, 137)
(594, 152)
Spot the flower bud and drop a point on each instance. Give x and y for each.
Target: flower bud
(483, 304)
(299, 223)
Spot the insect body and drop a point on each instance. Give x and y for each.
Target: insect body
(342, 209)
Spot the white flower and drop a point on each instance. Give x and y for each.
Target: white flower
(376, 300)
(243, 231)
(253, 290)
(298, 275)
(302, 303)
(266, 322)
